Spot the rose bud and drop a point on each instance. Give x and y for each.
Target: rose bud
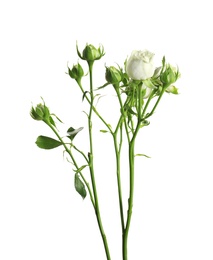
(76, 72)
(40, 112)
(169, 75)
(113, 75)
(90, 53)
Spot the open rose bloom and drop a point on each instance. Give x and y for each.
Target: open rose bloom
(140, 65)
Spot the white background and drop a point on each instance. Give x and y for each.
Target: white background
(41, 215)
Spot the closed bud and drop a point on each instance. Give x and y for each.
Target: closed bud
(76, 72)
(40, 112)
(113, 75)
(169, 75)
(90, 53)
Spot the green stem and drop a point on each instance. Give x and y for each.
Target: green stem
(131, 179)
(121, 137)
(122, 111)
(117, 149)
(148, 102)
(131, 193)
(91, 166)
(117, 154)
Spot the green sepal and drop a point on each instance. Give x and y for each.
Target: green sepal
(57, 118)
(163, 62)
(78, 52)
(45, 142)
(79, 186)
(52, 122)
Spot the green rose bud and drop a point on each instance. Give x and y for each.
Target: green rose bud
(76, 72)
(90, 53)
(40, 112)
(169, 75)
(113, 75)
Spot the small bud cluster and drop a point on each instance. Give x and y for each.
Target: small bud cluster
(90, 54)
(139, 72)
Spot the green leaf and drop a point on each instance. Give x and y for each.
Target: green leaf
(140, 154)
(80, 187)
(103, 131)
(45, 142)
(72, 132)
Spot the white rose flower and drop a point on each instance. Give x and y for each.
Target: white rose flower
(140, 65)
